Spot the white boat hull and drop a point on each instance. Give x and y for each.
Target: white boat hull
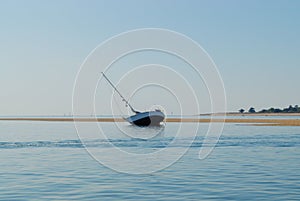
(151, 118)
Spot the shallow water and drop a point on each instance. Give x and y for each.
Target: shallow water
(47, 161)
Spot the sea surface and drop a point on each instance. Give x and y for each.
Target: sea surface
(48, 161)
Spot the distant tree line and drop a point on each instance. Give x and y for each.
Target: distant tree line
(290, 109)
(251, 110)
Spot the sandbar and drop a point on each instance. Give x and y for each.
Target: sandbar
(256, 122)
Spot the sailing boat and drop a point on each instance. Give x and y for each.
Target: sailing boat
(147, 118)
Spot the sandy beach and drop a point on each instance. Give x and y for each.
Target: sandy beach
(253, 114)
(257, 122)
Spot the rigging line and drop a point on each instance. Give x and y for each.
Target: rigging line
(123, 99)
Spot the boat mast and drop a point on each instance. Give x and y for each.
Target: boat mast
(123, 99)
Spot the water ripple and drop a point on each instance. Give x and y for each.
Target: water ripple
(273, 141)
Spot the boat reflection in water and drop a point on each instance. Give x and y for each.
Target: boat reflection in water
(148, 133)
(147, 118)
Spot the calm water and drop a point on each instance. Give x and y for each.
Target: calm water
(47, 161)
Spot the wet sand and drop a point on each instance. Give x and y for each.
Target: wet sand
(257, 122)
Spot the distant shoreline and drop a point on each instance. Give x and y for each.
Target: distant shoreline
(252, 114)
(256, 122)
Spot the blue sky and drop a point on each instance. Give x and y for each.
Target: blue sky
(255, 45)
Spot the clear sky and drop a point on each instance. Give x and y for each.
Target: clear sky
(255, 45)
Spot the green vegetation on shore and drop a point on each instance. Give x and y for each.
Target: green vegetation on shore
(290, 109)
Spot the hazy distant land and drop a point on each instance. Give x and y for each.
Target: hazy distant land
(258, 122)
(252, 114)
(286, 112)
